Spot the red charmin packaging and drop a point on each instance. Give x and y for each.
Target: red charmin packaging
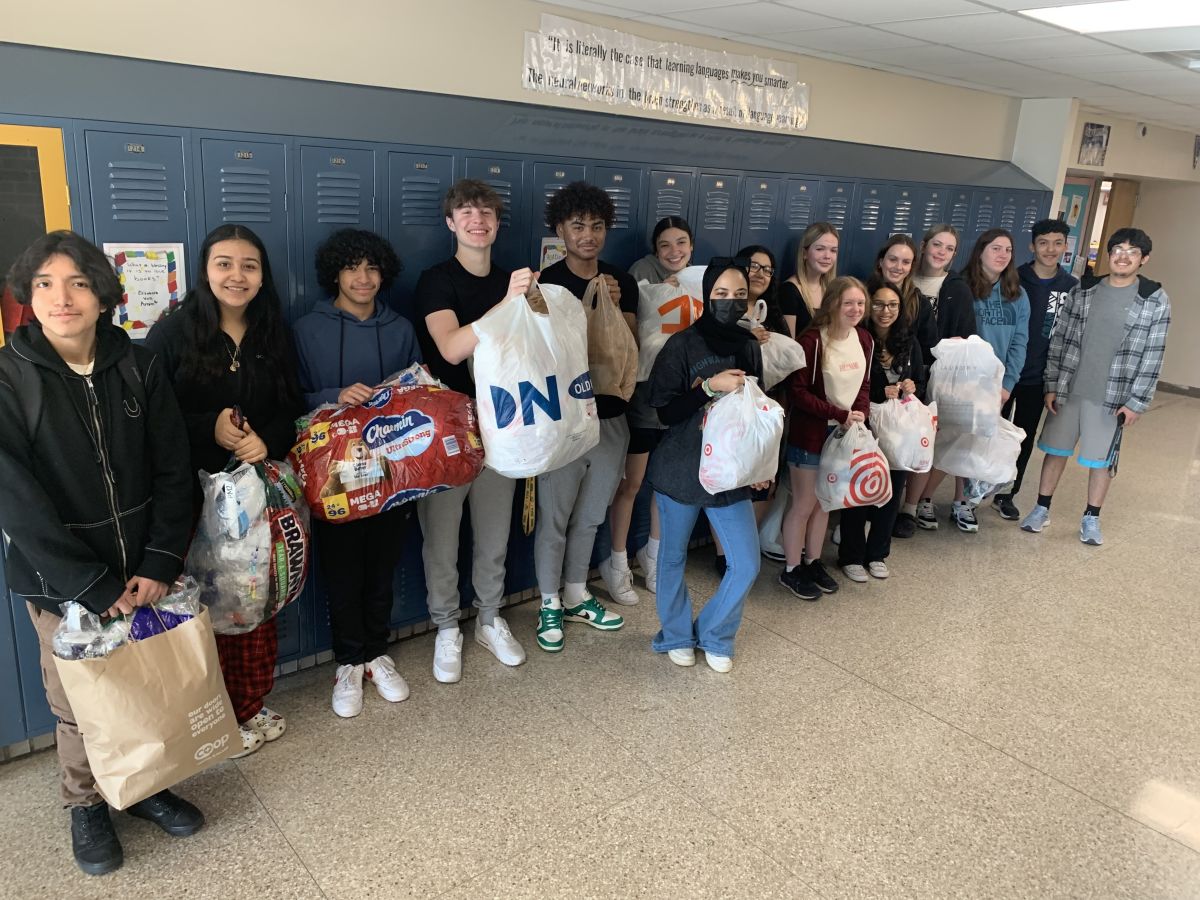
(406, 442)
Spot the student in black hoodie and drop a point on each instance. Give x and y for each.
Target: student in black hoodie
(93, 437)
(1046, 284)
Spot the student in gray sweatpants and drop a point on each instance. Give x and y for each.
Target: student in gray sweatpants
(573, 501)
(450, 296)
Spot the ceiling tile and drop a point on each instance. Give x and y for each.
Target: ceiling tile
(958, 30)
(755, 18)
(1170, 80)
(607, 9)
(872, 12)
(1153, 39)
(929, 54)
(1050, 47)
(676, 25)
(1085, 66)
(1036, 4)
(848, 40)
(654, 7)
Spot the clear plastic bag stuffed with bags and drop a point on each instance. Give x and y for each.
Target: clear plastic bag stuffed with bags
(965, 383)
(84, 635)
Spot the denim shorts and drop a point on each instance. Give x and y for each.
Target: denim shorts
(802, 459)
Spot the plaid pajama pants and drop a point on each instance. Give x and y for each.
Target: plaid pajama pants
(248, 664)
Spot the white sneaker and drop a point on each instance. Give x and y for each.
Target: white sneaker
(836, 539)
(649, 566)
(682, 656)
(390, 684)
(500, 641)
(619, 583)
(878, 569)
(720, 664)
(347, 691)
(447, 655)
(856, 573)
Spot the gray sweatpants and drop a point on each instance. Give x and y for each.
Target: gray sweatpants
(440, 515)
(572, 503)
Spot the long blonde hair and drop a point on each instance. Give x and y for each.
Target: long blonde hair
(940, 228)
(812, 234)
(831, 302)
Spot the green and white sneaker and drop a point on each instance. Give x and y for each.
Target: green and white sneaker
(591, 612)
(550, 629)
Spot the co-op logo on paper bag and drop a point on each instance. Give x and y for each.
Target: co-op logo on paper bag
(207, 749)
(408, 434)
(505, 404)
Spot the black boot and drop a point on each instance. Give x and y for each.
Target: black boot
(172, 814)
(93, 840)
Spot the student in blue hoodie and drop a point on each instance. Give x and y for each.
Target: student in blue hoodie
(346, 346)
(1046, 284)
(1001, 319)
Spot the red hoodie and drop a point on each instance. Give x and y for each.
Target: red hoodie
(811, 412)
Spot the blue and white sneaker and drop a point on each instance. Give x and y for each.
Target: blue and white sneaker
(1036, 519)
(1089, 531)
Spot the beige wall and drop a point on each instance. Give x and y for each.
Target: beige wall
(1169, 213)
(409, 44)
(1162, 153)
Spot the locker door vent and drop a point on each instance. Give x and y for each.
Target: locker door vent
(1029, 215)
(1008, 216)
(869, 214)
(960, 214)
(421, 200)
(717, 206)
(985, 216)
(339, 198)
(902, 218)
(138, 192)
(668, 202)
(622, 198)
(246, 194)
(799, 212)
(931, 214)
(762, 212)
(836, 211)
(505, 189)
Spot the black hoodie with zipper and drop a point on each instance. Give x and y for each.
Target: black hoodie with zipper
(100, 490)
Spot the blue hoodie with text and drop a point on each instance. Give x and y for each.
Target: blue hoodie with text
(337, 350)
(1005, 325)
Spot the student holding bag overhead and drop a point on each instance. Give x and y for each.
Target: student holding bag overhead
(119, 474)
(710, 358)
(226, 348)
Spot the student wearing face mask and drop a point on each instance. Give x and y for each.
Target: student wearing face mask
(697, 365)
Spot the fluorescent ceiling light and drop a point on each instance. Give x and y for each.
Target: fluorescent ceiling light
(1121, 15)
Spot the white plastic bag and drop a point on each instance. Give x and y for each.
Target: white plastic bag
(853, 471)
(532, 386)
(742, 431)
(989, 459)
(781, 355)
(663, 309)
(906, 429)
(965, 383)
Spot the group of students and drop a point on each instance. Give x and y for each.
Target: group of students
(104, 494)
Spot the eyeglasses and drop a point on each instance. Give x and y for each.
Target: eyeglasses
(759, 267)
(880, 307)
(1130, 252)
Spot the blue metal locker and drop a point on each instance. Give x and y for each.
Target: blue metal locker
(625, 244)
(337, 190)
(929, 208)
(548, 178)
(837, 198)
(417, 185)
(868, 229)
(759, 212)
(245, 182)
(137, 184)
(799, 211)
(38, 718)
(671, 193)
(715, 216)
(1022, 209)
(12, 710)
(985, 213)
(507, 177)
(958, 214)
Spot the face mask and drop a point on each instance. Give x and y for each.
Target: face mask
(727, 312)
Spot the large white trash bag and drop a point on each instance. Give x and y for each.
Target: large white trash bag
(853, 472)
(532, 386)
(988, 459)
(965, 383)
(781, 355)
(742, 431)
(663, 310)
(906, 430)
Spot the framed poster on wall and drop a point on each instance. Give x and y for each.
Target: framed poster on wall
(152, 281)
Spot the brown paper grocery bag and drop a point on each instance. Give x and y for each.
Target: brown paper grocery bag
(612, 349)
(153, 713)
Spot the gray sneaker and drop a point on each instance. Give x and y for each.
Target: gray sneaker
(1089, 531)
(1036, 519)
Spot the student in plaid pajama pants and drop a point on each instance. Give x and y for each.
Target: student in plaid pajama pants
(226, 348)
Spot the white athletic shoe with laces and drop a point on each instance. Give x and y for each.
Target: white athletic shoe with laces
(381, 671)
(649, 566)
(499, 640)
(619, 583)
(347, 691)
(447, 655)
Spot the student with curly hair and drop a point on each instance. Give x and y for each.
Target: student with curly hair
(573, 501)
(346, 346)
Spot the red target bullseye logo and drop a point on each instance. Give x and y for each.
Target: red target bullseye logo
(831, 477)
(708, 449)
(924, 442)
(870, 481)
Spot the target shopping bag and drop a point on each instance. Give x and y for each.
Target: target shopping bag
(906, 430)
(742, 432)
(853, 471)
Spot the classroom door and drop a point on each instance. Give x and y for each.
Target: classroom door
(1122, 199)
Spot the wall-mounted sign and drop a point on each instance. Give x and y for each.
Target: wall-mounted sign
(152, 281)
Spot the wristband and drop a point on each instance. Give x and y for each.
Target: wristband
(708, 390)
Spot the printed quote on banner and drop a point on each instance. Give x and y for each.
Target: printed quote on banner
(575, 59)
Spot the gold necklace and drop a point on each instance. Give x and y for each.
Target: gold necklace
(234, 364)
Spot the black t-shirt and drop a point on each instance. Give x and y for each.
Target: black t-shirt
(791, 303)
(449, 286)
(606, 407)
(675, 464)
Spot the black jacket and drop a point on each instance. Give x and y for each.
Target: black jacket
(101, 491)
(909, 365)
(955, 307)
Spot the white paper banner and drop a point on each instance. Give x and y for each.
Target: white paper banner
(579, 60)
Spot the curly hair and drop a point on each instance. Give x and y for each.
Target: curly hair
(90, 259)
(346, 248)
(580, 199)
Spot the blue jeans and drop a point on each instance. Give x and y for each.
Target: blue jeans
(715, 627)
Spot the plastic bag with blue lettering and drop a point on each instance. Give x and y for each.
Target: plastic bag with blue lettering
(532, 384)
